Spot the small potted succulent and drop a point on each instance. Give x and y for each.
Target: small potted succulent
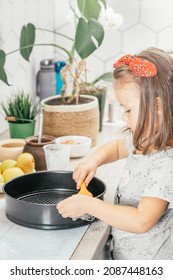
(20, 112)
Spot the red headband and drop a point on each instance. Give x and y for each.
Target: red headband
(139, 66)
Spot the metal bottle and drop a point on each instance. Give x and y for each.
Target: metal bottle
(46, 79)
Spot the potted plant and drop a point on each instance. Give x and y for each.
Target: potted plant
(20, 111)
(90, 17)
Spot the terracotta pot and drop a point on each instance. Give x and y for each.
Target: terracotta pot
(36, 149)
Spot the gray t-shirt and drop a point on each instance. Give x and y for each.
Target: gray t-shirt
(146, 175)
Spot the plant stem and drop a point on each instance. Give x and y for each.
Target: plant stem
(73, 10)
(54, 32)
(72, 50)
(48, 44)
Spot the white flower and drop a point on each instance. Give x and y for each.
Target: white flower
(109, 19)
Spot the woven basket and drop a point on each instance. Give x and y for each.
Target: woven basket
(81, 119)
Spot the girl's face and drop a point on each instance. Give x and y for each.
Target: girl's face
(128, 95)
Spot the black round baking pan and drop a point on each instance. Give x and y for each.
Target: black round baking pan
(30, 200)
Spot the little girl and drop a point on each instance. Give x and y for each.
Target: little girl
(142, 216)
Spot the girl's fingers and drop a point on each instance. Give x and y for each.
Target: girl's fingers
(61, 210)
(59, 207)
(79, 177)
(76, 174)
(83, 176)
(89, 178)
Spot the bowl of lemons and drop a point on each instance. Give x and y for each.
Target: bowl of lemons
(10, 168)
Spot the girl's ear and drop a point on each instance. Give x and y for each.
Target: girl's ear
(159, 105)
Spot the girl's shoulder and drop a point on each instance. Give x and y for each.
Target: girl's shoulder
(163, 160)
(165, 154)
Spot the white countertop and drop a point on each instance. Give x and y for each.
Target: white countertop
(18, 242)
(22, 243)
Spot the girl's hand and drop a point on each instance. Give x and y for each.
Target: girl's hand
(74, 206)
(84, 171)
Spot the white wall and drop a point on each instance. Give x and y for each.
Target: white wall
(146, 23)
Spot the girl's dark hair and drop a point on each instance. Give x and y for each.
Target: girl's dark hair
(161, 86)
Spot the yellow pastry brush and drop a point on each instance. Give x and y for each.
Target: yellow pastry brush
(84, 190)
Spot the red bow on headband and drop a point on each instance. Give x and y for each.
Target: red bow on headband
(139, 66)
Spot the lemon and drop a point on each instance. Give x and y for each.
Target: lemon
(8, 163)
(26, 162)
(1, 179)
(11, 173)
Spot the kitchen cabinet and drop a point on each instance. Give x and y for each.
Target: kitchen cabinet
(86, 242)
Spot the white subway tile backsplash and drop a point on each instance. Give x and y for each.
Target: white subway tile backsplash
(18, 15)
(5, 19)
(157, 14)
(111, 45)
(165, 39)
(61, 12)
(142, 35)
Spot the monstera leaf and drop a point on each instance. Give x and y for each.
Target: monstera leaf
(90, 8)
(89, 36)
(3, 76)
(27, 39)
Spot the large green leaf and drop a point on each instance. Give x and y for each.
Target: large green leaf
(108, 76)
(27, 39)
(86, 35)
(3, 76)
(89, 8)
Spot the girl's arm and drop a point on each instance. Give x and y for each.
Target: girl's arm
(109, 152)
(126, 218)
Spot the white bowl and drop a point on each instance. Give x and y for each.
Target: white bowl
(79, 145)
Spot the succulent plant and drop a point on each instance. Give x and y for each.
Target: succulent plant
(21, 107)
